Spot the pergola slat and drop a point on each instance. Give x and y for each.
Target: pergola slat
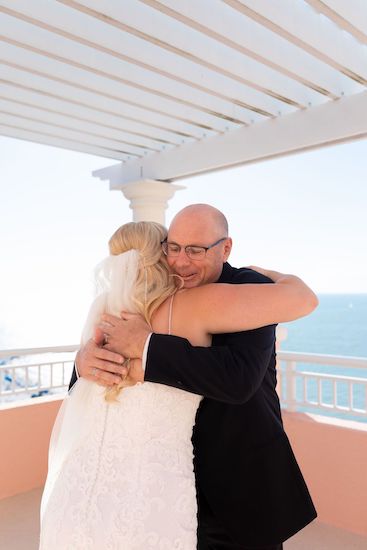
(123, 72)
(179, 88)
(58, 131)
(57, 89)
(40, 115)
(220, 21)
(37, 137)
(65, 29)
(185, 42)
(76, 111)
(299, 24)
(64, 73)
(350, 16)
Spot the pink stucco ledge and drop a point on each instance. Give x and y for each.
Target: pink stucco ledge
(25, 429)
(332, 455)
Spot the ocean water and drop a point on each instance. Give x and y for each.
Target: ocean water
(337, 327)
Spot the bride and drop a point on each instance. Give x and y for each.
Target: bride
(120, 461)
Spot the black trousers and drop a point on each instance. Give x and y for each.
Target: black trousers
(212, 536)
(218, 541)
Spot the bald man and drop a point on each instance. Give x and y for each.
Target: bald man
(251, 493)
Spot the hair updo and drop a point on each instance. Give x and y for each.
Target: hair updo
(154, 283)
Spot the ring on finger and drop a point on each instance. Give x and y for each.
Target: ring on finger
(94, 371)
(126, 363)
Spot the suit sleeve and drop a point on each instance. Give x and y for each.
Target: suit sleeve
(73, 379)
(230, 373)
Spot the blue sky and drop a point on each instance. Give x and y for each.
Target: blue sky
(304, 214)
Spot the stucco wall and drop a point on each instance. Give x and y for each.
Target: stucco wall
(25, 429)
(332, 456)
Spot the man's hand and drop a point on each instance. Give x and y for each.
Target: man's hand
(98, 364)
(126, 335)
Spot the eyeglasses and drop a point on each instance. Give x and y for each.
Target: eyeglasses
(172, 250)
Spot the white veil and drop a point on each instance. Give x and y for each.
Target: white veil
(115, 279)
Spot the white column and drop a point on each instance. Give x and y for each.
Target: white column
(149, 198)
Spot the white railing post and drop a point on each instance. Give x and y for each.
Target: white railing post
(281, 335)
(290, 370)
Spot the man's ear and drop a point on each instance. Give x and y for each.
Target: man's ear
(227, 248)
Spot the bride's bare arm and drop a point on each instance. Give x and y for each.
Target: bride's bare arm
(237, 307)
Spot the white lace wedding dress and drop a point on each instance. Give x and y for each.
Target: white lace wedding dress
(121, 474)
(129, 483)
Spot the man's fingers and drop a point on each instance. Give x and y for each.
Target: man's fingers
(105, 366)
(98, 336)
(127, 315)
(105, 378)
(111, 319)
(94, 359)
(106, 328)
(110, 356)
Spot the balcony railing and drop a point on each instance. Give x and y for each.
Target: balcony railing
(35, 372)
(324, 384)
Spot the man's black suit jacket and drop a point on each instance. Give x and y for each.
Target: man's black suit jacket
(244, 465)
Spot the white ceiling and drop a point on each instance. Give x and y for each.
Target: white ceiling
(174, 88)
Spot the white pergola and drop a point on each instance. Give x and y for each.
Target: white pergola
(174, 88)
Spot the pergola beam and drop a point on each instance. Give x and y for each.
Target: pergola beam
(337, 121)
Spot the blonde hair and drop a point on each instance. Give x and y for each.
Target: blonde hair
(154, 283)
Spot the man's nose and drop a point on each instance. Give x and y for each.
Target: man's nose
(182, 258)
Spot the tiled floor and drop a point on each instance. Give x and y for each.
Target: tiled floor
(19, 527)
(318, 536)
(19, 521)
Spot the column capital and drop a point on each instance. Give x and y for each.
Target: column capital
(148, 198)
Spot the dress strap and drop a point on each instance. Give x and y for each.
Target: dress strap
(170, 314)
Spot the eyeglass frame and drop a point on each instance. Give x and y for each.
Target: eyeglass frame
(205, 248)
